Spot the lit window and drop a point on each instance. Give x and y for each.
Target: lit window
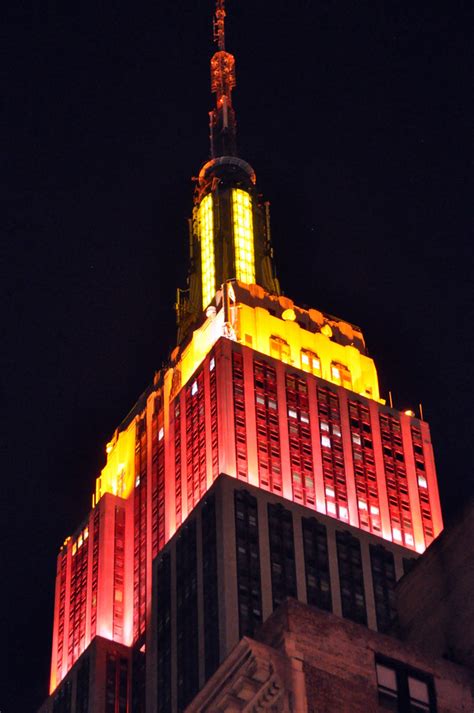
(374, 510)
(341, 375)
(212, 364)
(419, 694)
(243, 236)
(409, 539)
(331, 508)
(137, 481)
(206, 236)
(401, 688)
(325, 441)
(279, 349)
(422, 482)
(343, 512)
(362, 505)
(194, 388)
(324, 426)
(74, 549)
(272, 404)
(292, 413)
(356, 439)
(310, 362)
(260, 400)
(86, 533)
(304, 417)
(387, 682)
(336, 430)
(397, 535)
(161, 433)
(329, 492)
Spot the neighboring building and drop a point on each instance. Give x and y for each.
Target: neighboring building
(435, 600)
(309, 661)
(285, 402)
(237, 557)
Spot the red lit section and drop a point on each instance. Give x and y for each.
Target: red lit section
(119, 573)
(95, 570)
(422, 483)
(195, 441)
(157, 479)
(214, 421)
(396, 480)
(177, 460)
(140, 516)
(268, 432)
(239, 415)
(77, 607)
(368, 505)
(63, 556)
(334, 477)
(299, 431)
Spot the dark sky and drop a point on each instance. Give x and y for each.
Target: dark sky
(354, 116)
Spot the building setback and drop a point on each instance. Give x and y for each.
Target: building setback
(324, 491)
(238, 556)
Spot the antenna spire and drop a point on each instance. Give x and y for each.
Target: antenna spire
(223, 126)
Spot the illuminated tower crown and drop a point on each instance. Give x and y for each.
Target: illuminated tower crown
(230, 228)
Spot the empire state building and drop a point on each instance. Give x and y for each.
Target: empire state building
(262, 463)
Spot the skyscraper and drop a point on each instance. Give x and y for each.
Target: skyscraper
(281, 398)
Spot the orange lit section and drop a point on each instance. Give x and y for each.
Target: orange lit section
(206, 236)
(118, 475)
(243, 236)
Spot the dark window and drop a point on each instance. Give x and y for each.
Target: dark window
(351, 577)
(248, 562)
(408, 563)
(116, 684)
(404, 689)
(63, 699)
(138, 679)
(82, 690)
(186, 614)
(163, 625)
(318, 581)
(211, 600)
(383, 578)
(282, 553)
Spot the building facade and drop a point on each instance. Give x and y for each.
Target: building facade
(282, 400)
(295, 667)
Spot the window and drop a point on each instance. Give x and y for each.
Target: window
(402, 688)
(187, 654)
(383, 578)
(282, 553)
(316, 559)
(310, 362)
(341, 375)
(248, 562)
(351, 577)
(243, 236)
(206, 235)
(279, 349)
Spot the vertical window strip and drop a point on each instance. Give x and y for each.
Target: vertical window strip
(243, 236)
(206, 236)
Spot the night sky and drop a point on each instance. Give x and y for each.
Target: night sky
(354, 116)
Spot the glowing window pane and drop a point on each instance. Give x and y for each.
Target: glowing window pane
(206, 236)
(243, 236)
